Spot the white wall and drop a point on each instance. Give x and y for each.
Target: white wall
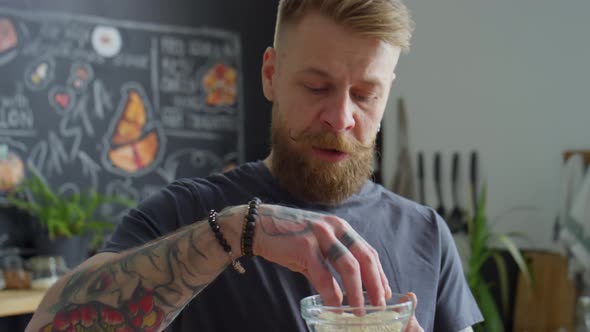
(508, 78)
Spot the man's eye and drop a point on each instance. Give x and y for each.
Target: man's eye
(316, 91)
(364, 97)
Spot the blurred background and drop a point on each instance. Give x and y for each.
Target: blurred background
(104, 102)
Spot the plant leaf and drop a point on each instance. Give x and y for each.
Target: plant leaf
(99, 225)
(481, 204)
(479, 261)
(516, 255)
(489, 310)
(503, 276)
(516, 235)
(64, 215)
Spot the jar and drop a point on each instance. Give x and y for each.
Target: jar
(46, 270)
(583, 314)
(393, 317)
(15, 275)
(2, 283)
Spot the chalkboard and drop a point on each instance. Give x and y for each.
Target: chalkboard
(117, 105)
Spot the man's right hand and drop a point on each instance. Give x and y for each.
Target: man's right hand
(305, 241)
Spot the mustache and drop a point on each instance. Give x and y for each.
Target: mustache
(332, 141)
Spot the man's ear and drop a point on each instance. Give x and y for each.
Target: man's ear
(269, 67)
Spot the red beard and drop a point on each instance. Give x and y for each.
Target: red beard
(312, 179)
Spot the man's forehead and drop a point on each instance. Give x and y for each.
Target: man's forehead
(321, 47)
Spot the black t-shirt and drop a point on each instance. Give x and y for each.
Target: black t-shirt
(414, 244)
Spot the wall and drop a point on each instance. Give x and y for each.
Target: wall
(252, 21)
(509, 79)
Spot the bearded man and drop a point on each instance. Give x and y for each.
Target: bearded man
(321, 225)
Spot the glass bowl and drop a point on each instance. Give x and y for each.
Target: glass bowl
(393, 317)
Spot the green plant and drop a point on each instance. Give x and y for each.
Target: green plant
(480, 239)
(64, 215)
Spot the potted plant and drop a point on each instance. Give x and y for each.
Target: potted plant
(70, 222)
(481, 237)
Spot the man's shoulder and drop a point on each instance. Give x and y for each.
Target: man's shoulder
(237, 176)
(400, 206)
(217, 190)
(383, 211)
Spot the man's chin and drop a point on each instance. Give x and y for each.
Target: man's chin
(318, 181)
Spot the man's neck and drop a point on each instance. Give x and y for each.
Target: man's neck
(268, 163)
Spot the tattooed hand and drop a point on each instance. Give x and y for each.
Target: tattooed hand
(306, 242)
(143, 289)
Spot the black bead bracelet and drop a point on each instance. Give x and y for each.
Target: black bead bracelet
(249, 227)
(226, 247)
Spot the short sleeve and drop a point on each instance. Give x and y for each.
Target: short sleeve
(162, 213)
(456, 308)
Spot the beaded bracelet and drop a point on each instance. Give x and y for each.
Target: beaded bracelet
(226, 247)
(249, 226)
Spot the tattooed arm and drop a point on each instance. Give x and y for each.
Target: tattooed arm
(144, 289)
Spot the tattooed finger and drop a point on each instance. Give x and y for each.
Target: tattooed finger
(348, 239)
(336, 251)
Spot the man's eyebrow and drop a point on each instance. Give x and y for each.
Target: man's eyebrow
(315, 71)
(372, 82)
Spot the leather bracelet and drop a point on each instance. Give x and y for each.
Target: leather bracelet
(226, 247)
(249, 227)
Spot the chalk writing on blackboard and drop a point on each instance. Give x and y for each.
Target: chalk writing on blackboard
(118, 106)
(16, 115)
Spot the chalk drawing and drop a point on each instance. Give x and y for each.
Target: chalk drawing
(102, 99)
(9, 41)
(8, 141)
(67, 40)
(57, 155)
(197, 159)
(107, 41)
(62, 99)
(7, 57)
(40, 73)
(219, 84)
(74, 132)
(81, 112)
(154, 74)
(24, 30)
(90, 168)
(172, 117)
(68, 189)
(81, 74)
(135, 139)
(38, 155)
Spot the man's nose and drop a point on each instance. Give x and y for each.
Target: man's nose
(338, 113)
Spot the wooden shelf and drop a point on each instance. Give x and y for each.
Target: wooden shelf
(19, 302)
(551, 305)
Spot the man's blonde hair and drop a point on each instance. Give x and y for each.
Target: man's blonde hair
(388, 20)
